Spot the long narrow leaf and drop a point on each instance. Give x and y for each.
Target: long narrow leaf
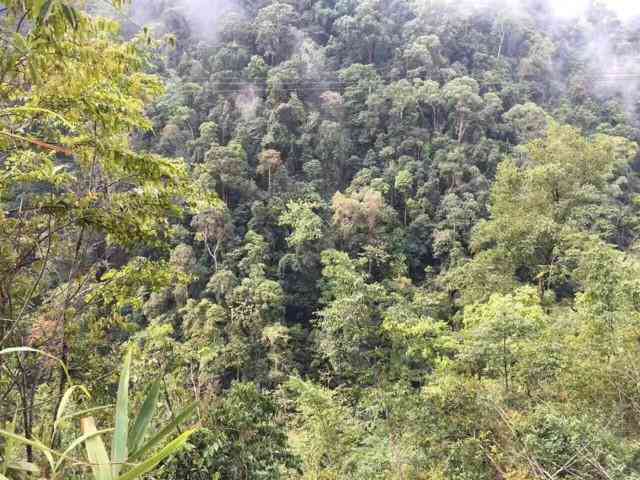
(96, 451)
(88, 410)
(144, 417)
(150, 463)
(46, 451)
(77, 442)
(7, 351)
(43, 14)
(119, 444)
(9, 443)
(66, 398)
(24, 467)
(153, 441)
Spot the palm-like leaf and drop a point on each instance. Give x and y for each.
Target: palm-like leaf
(119, 443)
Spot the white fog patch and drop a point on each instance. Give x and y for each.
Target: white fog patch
(205, 16)
(577, 8)
(247, 102)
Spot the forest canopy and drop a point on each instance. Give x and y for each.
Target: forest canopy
(319, 240)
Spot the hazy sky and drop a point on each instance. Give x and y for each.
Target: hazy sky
(572, 8)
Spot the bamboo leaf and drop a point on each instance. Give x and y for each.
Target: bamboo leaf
(144, 417)
(181, 417)
(119, 444)
(96, 451)
(150, 463)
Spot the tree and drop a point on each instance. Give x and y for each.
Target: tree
(429, 217)
(73, 189)
(535, 208)
(226, 171)
(274, 26)
(353, 212)
(501, 334)
(422, 57)
(212, 225)
(268, 162)
(350, 318)
(528, 121)
(463, 99)
(327, 432)
(306, 225)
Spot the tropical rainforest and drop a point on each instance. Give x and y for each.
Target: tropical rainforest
(319, 240)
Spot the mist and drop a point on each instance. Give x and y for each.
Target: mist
(578, 8)
(205, 16)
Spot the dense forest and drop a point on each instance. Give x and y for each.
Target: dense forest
(319, 240)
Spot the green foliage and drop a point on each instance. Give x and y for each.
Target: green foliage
(305, 224)
(325, 434)
(247, 441)
(372, 239)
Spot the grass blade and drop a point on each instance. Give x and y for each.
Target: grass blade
(150, 463)
(46, 451)
(119, 444)
(144, 417)
(96, 451)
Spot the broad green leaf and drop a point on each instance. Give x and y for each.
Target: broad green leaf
(96, 451)
(119, 444)
(181, 417)
(150, 463)
(144, 417)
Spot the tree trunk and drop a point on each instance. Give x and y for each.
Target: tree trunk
(501, 40)
(461, 128)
